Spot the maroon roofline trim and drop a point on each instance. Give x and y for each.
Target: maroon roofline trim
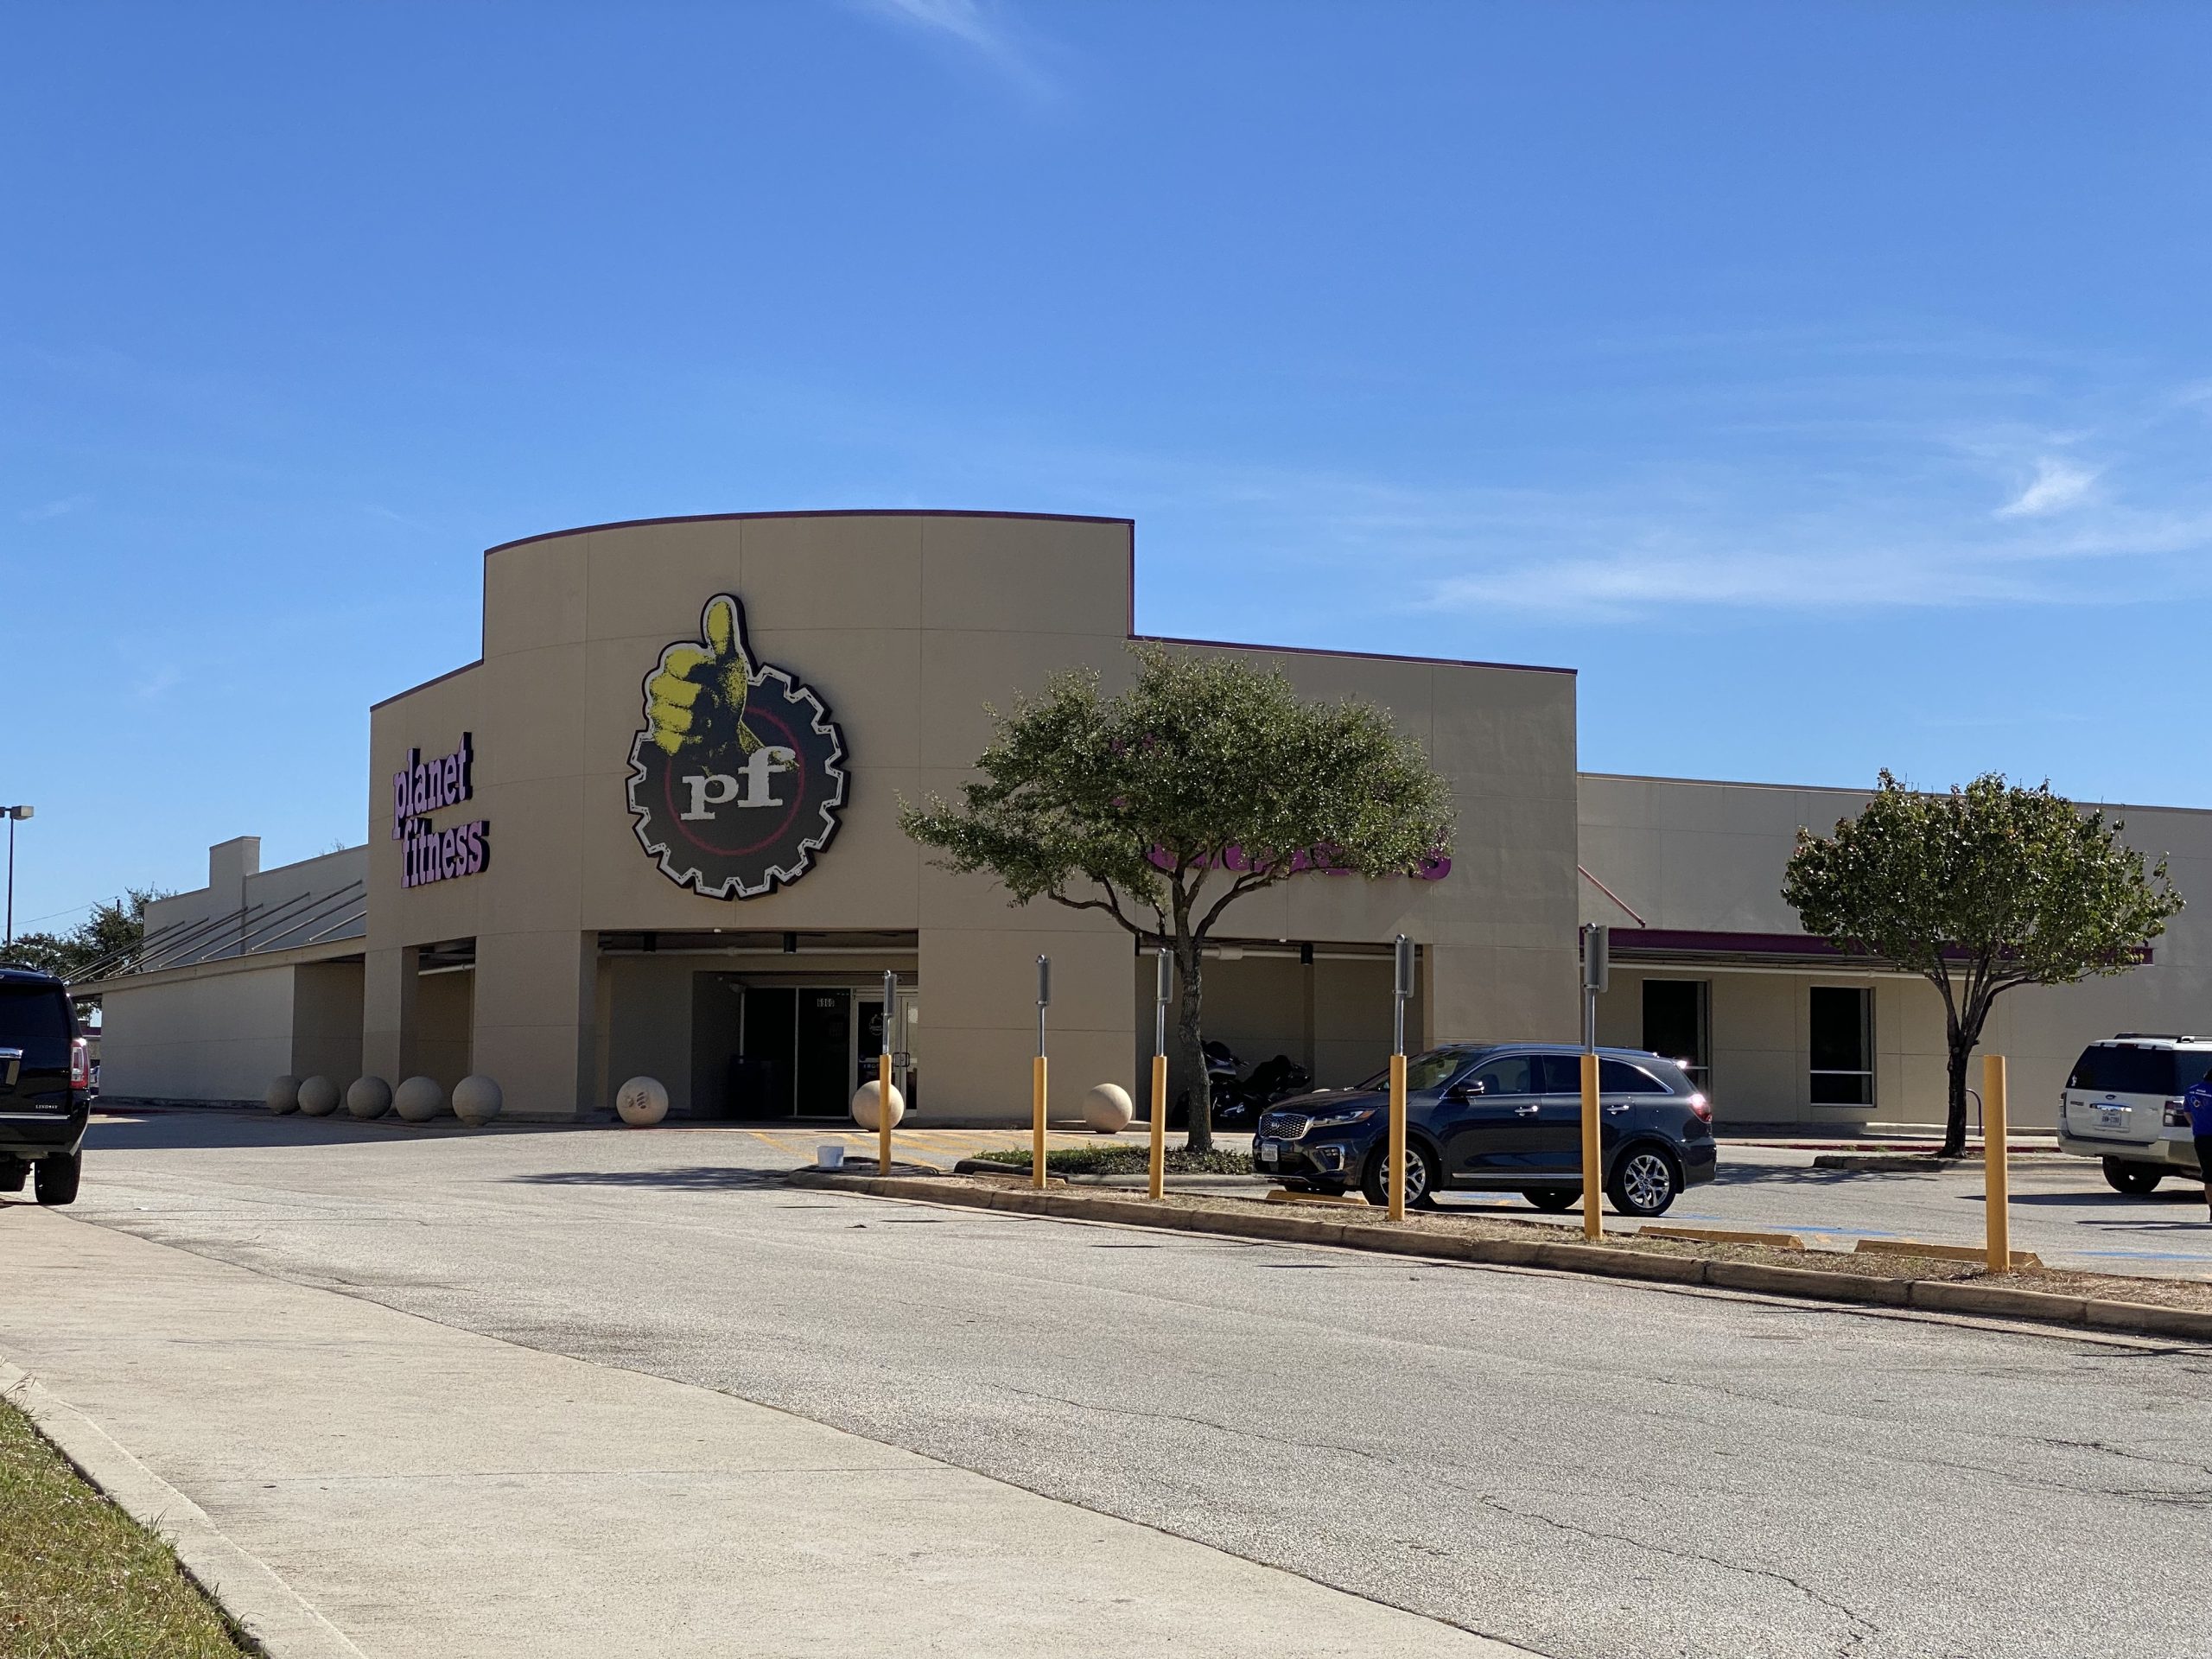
(1627, 939)
(1324, 650)
(812, 512)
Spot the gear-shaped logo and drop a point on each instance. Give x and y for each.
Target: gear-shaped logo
(738, 776)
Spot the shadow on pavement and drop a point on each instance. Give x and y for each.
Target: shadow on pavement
(701, 1177)
(184, 1130)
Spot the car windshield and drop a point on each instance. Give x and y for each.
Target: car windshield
(2139, 1071)
(36, 1019)
(1430, 1070)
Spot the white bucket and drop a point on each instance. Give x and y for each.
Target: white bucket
(830, 1154)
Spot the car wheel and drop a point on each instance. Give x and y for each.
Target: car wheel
(1644, 1181)
(57, 1177)
(1554, 1199)
(1420, 1178)
(12, 1172)
(2132, 1178)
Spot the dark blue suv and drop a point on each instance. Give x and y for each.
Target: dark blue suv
(1501, 1117)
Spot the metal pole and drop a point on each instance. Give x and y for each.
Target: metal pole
(1159, 1074)
(883, 1075)
(11, 875)
(1037, 1078)
(1401, 989)
(1996, 1170)
(1596, 967)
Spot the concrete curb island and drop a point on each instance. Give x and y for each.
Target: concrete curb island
(1932, 1295)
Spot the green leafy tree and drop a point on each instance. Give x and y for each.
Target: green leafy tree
(1162, 806)
(113, 928)
(1989, 887)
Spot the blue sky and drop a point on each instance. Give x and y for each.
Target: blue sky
(1832, 385)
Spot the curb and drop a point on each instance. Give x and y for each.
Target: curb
(991, 1167)
(1934, 1296)
(270, 1612)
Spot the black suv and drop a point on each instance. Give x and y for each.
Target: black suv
(1502, 1117)
(46, 1086)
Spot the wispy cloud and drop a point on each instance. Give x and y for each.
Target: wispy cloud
(59, 509)
(983, 29)
(2057, 486)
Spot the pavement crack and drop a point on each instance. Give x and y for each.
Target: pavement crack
(1861, 1627)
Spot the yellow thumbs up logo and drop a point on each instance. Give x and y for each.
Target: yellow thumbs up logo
(737, 775)
(698, 696)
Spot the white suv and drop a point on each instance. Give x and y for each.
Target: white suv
(2122, 1104)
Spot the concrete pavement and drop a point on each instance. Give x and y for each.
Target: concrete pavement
(1583, 1468)
(416, 1490)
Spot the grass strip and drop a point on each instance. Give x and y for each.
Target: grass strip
(1124, 1160)
(80, 1579)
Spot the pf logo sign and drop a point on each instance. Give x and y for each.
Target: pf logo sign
(737, 776)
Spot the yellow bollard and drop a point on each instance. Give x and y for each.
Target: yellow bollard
(1158, 1124)
(1394, 1176)
(1593, 1158)
(883, 1113)
(1996, 1172)
(1037, 1128)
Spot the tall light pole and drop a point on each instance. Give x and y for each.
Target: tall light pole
(14, 813)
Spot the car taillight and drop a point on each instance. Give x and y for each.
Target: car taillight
(80, 1063)
(1702, 1107)
(2176, 1113)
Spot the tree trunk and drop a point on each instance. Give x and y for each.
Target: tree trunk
(1190, 1044)
(1955, 1120)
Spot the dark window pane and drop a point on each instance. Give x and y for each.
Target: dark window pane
(1838, 1030)
(2138, 1070)
(1559, 1074)
(1674, 1019)
(36, 1019)
(1842, 1089)
(1619, 1078)
(1504, 1074)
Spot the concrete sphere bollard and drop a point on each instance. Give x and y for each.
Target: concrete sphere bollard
(369, 1097)
(642, 1103)
(864, 1112)
(284, 1095)
(418, 1100)
(318, 1097)
(1106, 1109)
(476, 1101)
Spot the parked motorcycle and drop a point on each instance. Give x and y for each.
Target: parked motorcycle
(1239, 1100)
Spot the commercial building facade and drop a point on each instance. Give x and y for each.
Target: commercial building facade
(652, 830)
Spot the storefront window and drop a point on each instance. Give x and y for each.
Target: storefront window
(1842, 1034)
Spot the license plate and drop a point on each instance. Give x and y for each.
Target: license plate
(2112, 1117)
(1269, 1153)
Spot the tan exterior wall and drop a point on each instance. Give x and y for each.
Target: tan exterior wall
(1709, 857)
(908, 625)
(217, 1037)
(327, 1021)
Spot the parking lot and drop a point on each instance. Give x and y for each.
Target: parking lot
(1588, 1469)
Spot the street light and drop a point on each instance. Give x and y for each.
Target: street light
(14, 814)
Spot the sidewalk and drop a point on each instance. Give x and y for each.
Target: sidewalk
(372, 1482)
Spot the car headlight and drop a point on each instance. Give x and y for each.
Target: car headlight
(1342, 1120)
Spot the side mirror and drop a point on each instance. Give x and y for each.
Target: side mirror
(1466, 1090)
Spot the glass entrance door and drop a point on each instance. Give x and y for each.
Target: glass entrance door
(823, 1071)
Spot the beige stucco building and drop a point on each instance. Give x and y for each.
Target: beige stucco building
(592, 853)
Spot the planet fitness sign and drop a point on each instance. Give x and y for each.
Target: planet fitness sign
(422, 787)
(737, 776)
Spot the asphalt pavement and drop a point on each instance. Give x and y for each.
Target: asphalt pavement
(1581, 1467)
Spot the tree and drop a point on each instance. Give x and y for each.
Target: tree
(1162, 806)
(116, 926)
(1990, 886)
